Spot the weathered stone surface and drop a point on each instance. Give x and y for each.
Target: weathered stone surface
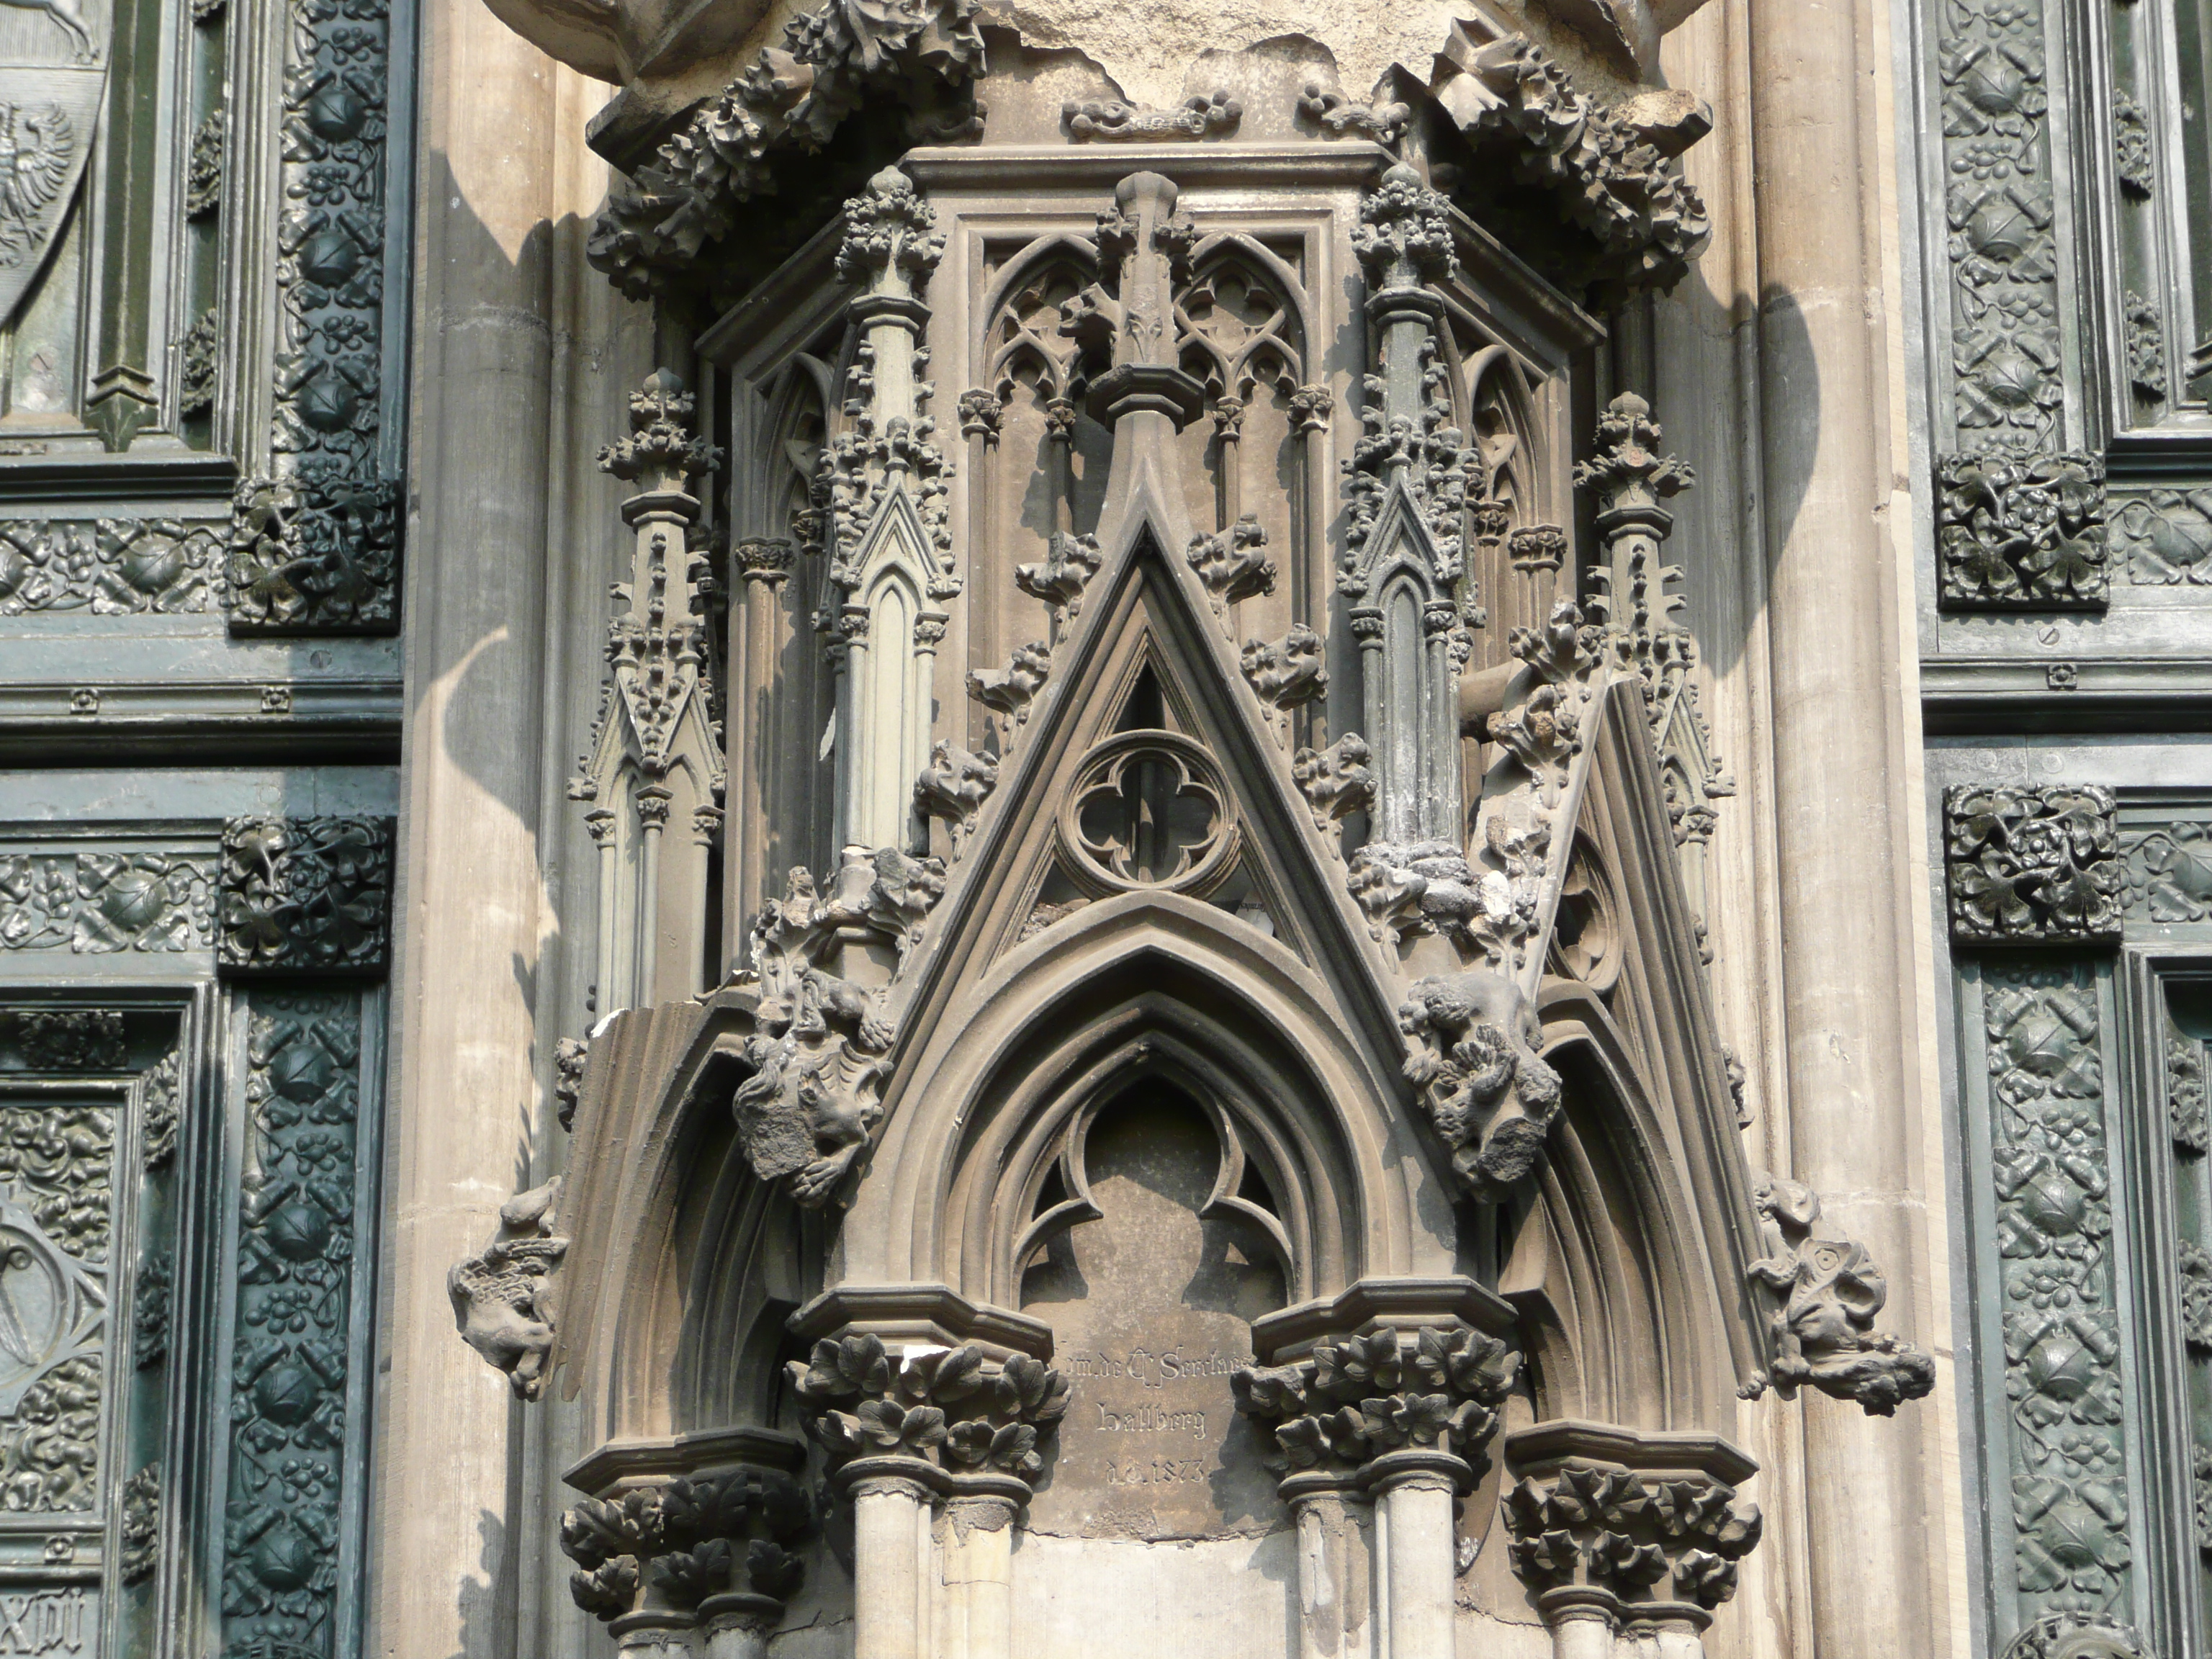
(1151, 1307)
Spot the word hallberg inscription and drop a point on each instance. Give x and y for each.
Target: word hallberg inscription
(1160, 1411)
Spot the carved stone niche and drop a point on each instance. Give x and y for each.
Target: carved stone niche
(1626, 1534)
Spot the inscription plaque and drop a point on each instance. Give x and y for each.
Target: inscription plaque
(1152, 1308)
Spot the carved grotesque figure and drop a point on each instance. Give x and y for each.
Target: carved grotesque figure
(1471, 1041)
(502, 1298)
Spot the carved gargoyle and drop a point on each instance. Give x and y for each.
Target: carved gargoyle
(1830, 1291)
(1471, 1051)
(502, 1298)
(813, 1061)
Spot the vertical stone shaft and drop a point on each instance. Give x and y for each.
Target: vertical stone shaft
(1334, 1571)
(978, 1609)
(1581, 1630)
(891, 1559)
(1417, 1509)
(1846, 783)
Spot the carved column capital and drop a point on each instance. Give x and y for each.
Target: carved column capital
(691, 1552)
(1389, 1388)
(1640, 1529)
(913, 1383)
(981, 413)
(760, 559)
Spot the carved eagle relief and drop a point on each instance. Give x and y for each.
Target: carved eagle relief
(37, 149)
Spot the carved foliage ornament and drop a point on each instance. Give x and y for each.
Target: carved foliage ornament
(792, 98)
(2049, 1167)
(306, 894)
(100, 903)
(2169, 870)
(1602, 1527)
(288, 1472)
(1471, 1041)
(2021, 531)
(949, 1408)
(680, 1544)
(2032, 866)
(1358, 1398)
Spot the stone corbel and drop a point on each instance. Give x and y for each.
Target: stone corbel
(1389, 1394)
(711, 1550)
(923, 1399)
(1622, 1533)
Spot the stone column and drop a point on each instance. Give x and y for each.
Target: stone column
(1847, 782)
(1335, 1566)
(978, 1552)
(890, 1556)
(1417, 1504)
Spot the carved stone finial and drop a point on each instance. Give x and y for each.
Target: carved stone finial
(1144, 244)
(1830, 1291)
(1627, 473)
(1404, 237)
(891, 242)
(2032, 866)
(501, 1297)
(660, 448)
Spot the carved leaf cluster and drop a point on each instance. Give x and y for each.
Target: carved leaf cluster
(1356, 1398)
(1601, 1526)
(2167, 535)
(1647, 222)
(67, 1039)
(314, 552)
(2027, 866)
(685, 1539)
(1471, 1055)
(310, 894)
(1201, 115)
(2021, 531)
(949, 1407)
(791, 102)
(109, 567)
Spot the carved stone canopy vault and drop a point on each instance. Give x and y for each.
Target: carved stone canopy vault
(1208, 1036)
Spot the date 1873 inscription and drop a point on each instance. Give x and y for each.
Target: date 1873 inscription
(1151, 1307)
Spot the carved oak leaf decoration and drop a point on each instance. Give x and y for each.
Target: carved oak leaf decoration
(771, 1570)
(1038, 1394)
(839, 1369)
